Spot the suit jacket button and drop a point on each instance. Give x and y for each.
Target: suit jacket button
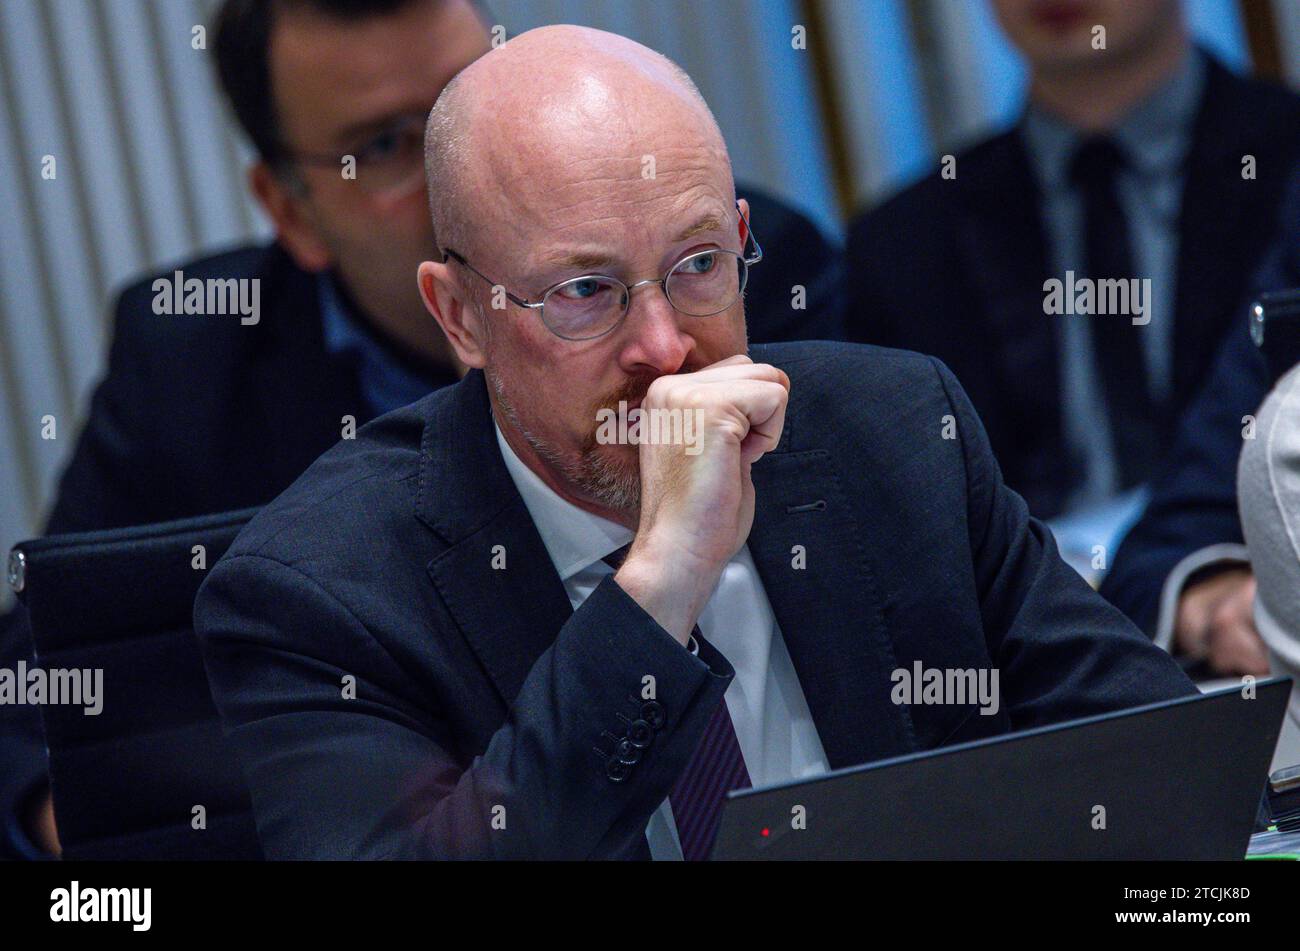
(616, 770)
(652, 712)
(626, 752)
(639, 734)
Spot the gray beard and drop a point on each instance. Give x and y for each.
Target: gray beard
(595, 476)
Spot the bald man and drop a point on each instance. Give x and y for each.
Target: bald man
(625, 565)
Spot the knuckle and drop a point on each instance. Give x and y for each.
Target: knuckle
(693, 397)
(657, 391)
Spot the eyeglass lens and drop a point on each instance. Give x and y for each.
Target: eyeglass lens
(700, 285)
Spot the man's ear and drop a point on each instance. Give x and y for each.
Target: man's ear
(444, 297)
(744, 232)
(292, 228)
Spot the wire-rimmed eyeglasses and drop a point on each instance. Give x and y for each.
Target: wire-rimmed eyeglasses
(701, 284)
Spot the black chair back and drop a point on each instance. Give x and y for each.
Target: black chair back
(151, 776)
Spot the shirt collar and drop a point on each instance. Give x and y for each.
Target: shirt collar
(574, 537)
(342, 335)
(385, 382)
(1154, 135)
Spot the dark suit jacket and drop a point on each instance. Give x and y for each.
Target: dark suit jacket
(202, 414)
(1194, 501)
(477, 687)
(956, 269)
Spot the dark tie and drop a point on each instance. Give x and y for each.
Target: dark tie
(1116, 340)
(715, 768)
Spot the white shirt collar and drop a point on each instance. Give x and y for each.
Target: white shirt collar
(574, 538)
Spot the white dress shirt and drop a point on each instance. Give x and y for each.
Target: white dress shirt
(773, 726)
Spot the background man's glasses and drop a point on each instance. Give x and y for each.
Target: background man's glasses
(701, 284)
(388, 163)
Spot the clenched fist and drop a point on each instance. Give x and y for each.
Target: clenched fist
(697, 506)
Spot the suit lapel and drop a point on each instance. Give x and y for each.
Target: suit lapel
(509, 615)
(829, 611)
(1000, 236)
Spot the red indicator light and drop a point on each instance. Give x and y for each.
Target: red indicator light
(765, 833)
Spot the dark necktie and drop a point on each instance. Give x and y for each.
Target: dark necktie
(715, 768)
(1116, 340)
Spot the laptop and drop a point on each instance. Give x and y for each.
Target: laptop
(1180, 779)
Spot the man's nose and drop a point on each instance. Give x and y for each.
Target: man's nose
(654, 335)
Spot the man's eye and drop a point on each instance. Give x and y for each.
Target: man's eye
(701, 264)
(382, 147)
(583, 289)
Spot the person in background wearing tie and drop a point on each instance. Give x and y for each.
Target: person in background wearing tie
(1138, 158)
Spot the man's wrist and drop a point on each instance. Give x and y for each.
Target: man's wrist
(669, 589)
(24, 832)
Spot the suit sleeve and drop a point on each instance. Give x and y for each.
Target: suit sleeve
(1062, 651)
(377, 776)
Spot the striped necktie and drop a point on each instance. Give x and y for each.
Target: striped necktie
(715, 768)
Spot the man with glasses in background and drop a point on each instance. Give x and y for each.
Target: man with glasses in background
(481, 629)
(201, 415)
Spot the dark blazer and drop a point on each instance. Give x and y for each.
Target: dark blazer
(956, 269)
(1194, 500)
(202, 414)
(477, 688)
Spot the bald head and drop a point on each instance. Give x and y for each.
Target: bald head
(548, 114)
(562, 157)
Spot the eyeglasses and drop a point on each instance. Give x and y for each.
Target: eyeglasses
(701, 284)
(390, 162)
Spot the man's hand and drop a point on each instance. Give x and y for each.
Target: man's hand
(1216, 621)
(39, 823)
(697, 509)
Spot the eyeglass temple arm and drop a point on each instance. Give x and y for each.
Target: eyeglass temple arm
(749, 232)
(456, 255)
